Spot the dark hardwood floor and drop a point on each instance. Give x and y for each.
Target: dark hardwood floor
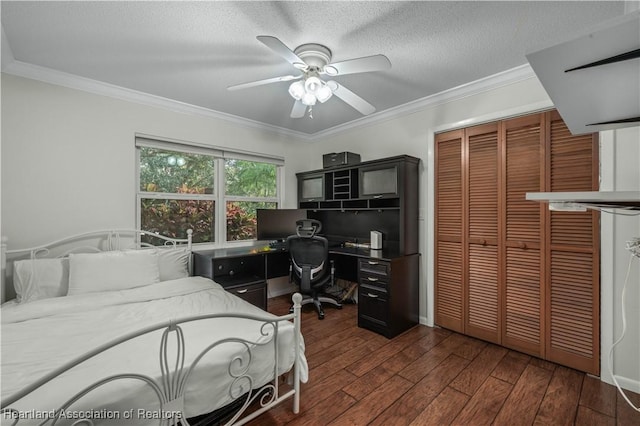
(431, 376)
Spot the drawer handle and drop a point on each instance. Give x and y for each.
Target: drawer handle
(372, 279)
(243, 291)
(377, 196)
(373, 296)
(371, 262)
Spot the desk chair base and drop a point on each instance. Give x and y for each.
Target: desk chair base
(307, 299)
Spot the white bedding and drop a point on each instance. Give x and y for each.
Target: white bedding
(42, 335)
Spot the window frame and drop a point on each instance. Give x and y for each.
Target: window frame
(219, 197)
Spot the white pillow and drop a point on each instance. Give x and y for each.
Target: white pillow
(112, 270)
(40, 278)
(173, 263)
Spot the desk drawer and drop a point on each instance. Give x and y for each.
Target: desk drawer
(255, 293)
(381, 281)
(373, 310)
(374, 267)
(372, 303)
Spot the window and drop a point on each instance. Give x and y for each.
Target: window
(249, 185)
(187, 187)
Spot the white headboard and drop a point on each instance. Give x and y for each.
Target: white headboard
(89, 242)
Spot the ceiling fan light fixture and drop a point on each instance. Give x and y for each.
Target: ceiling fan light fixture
(324, 93)
(308, 99)
(297, 90)
(312, 84)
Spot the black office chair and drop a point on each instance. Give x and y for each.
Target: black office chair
(309, 265)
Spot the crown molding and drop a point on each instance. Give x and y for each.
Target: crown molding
(505, 78)
(72, 81)
(48, 75)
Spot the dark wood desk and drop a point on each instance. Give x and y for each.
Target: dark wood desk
(387, 280)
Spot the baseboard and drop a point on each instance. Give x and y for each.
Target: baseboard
(275, 292)
(628, 384)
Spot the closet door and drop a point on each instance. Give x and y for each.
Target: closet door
(448, 226)
(482, 291)
(572, 292)
(523, 262)
(508, 270)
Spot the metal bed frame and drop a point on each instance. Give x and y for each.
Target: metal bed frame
(174, 374)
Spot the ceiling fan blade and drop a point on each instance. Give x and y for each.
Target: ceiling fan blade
(364, 107)
(281, 49)
(352, 66)
(298, 110)
(265, 81)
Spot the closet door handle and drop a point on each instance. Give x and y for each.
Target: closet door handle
(522, 245)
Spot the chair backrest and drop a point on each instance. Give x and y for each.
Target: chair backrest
(309, 254)
(308, 227)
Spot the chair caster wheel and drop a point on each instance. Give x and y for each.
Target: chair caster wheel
(320, 316)
(339, 307)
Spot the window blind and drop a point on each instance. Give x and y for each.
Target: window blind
(214, 151)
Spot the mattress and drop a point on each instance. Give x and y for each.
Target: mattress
(42, 335)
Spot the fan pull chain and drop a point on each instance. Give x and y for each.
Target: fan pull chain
(311, 112)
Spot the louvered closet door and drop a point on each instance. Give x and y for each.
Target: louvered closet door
(573, 306)
(448, 226)
(483, 317)
(523, 307)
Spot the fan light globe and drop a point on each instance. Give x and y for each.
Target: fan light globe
(324, 93)
(296, 90)
(309, 99)
(312, 84)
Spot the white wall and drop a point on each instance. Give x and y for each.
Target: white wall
(620, 171)
(68, 165)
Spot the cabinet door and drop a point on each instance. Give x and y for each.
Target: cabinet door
(573, 333)
(379, 181)
(483, 317)
(311, 187)
(523, 237)
(448, 228)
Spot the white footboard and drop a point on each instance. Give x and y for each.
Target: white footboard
(174, 374)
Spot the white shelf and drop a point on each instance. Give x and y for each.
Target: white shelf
(604, 199)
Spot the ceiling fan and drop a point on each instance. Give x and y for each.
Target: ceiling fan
(314, 62)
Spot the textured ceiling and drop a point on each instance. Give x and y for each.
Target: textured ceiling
(191, 51)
